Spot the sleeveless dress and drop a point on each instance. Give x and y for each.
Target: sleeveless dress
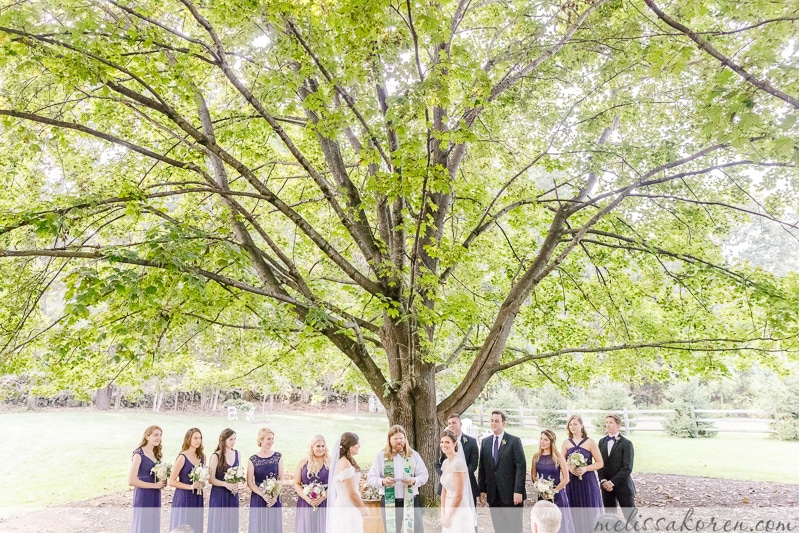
(585, 497)
(187, 505)
(308, 520)
(463, 519)
(346, 517)
(264, 519)
(223, 506)
(146, 502)
(547, 468)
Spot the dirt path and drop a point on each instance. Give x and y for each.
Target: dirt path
(111, 513)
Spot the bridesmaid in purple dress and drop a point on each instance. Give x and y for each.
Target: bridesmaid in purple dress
(223, 506)
(266, 513)
(549, 464)
(311, 513)
(147, 491)
(187, 503)
(584, 494)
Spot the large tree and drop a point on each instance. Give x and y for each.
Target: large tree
(441, 190)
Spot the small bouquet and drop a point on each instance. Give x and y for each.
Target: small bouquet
(199, 474)
(161, 471)
(545, 488)
(371, 494)
(236, 474)
(576, 460)
(314, 490)
(271, 487)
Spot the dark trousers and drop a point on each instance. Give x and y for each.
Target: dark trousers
(506, 518)
(418, 526)
(626, 501)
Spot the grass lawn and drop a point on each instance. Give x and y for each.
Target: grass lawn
(746, 456)
(71, 455)
(66, 456)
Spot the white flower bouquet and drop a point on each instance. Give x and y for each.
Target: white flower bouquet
(236, 474)
(314, 490)
(545, 488)
(577, 460)
(199, 474)
(271, 487)
(161, 471)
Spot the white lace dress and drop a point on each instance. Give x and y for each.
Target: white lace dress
(463, 519)
(346, 517)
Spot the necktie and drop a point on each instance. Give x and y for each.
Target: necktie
(496, 448)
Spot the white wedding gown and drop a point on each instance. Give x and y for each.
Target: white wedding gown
(463, 521)
(346, 517)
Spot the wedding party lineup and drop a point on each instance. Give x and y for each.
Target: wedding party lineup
(580, 486)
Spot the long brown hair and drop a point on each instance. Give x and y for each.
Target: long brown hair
(582, 426)
(553, 449)
(394, 430)
(187, 444)
(348, 440)
(221, 448)
(147, 433)
(314, 465)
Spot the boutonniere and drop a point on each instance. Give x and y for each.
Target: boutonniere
(463, 440)
(503, 442)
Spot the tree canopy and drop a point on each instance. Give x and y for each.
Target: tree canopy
(434, 192)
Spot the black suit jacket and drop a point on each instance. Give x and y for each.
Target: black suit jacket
(618, 465)
(502, 479)
(471, 453)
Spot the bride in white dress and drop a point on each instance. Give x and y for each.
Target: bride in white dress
(457, 503)
(345, 507)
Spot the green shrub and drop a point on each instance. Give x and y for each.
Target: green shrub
(610, 397)
(546, 401)
(683, 397)
(784, 407)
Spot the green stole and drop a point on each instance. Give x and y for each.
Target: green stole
(407, 512)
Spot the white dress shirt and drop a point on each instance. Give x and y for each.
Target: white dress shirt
(375, 476)
(612, 443)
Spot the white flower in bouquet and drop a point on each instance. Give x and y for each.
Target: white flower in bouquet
(236, 474)
(545, 488)
(577, 460)
(314, 490)
(161, 471)
(199, 474)
(371, 494)
(271, 487)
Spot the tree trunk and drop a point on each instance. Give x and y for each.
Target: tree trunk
(117, 397)
(102, 399)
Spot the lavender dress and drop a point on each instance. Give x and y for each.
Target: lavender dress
(264, 519)
(584, 494)
(308, 520)
(187, 505)
(547, 468)
(223, 507)
(146, 502)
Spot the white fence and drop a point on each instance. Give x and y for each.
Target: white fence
(723, 420)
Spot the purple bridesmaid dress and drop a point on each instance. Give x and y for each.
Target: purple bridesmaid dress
(223, 506)
(547, 468)
(308, 520)
(265, 519)
(584, 494)
(187, 505)
(146, 502)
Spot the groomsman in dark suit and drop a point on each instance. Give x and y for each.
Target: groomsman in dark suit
(470, 451)
(501, 476)
(614, 476)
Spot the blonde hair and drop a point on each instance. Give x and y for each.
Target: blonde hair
(549, 434)
(582, 426)
(262, 433)
(546, 516)
(314, 464)
(394, 430)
